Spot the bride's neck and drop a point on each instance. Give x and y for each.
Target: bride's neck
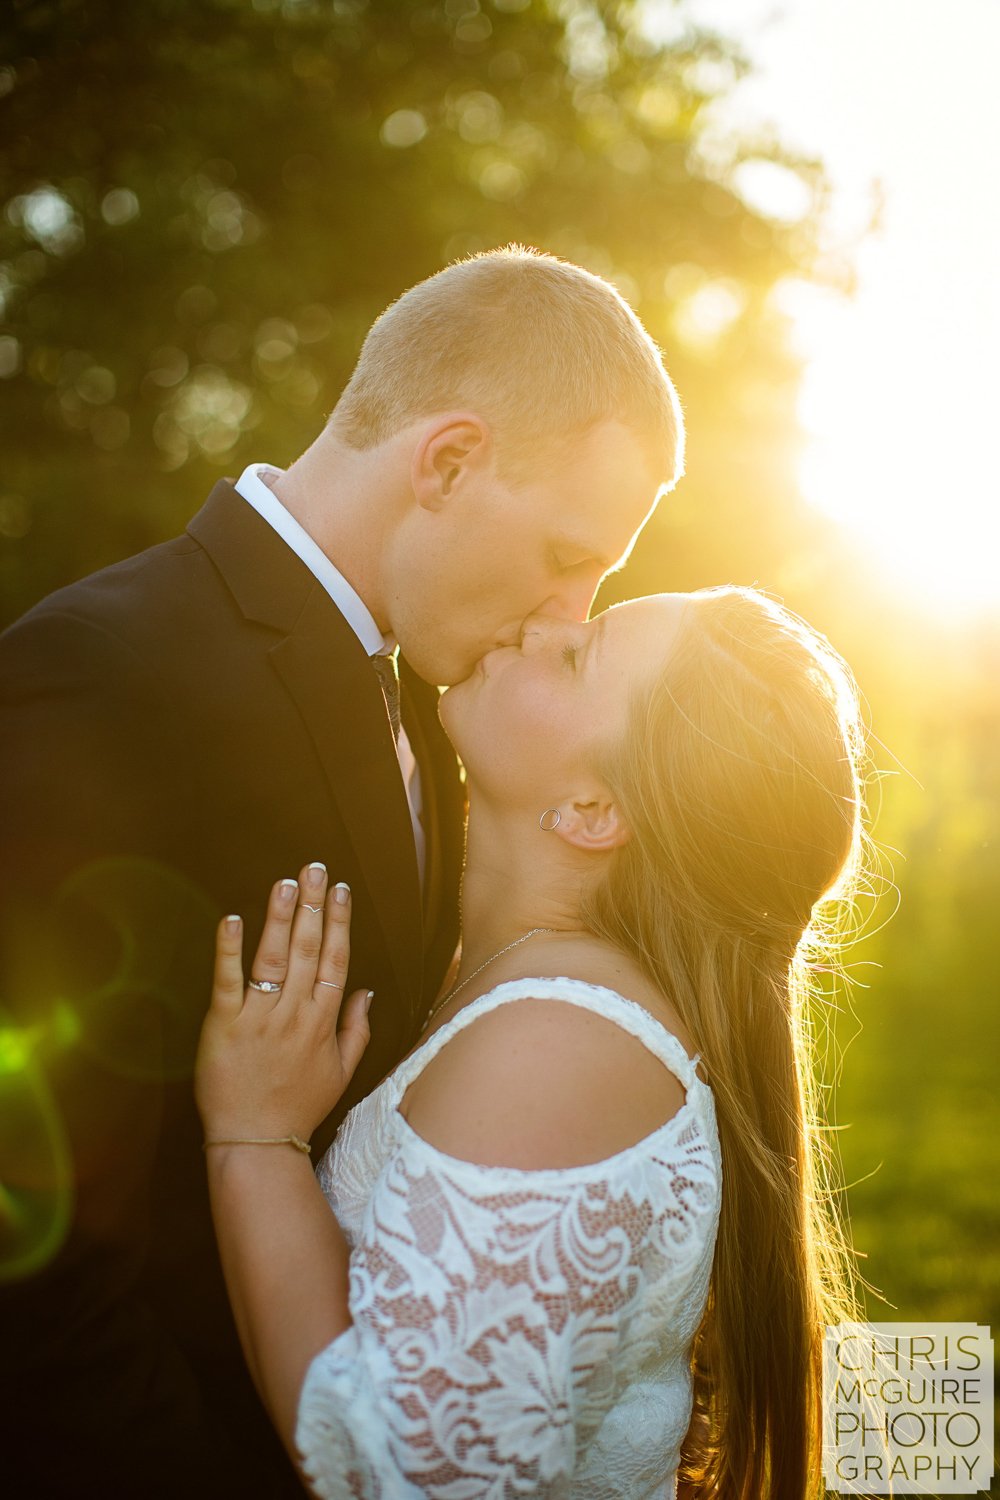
(516, 878)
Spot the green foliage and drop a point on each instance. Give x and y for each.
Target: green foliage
(918, 1090)
(206, 204)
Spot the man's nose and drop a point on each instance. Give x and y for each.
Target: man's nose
(572, 599)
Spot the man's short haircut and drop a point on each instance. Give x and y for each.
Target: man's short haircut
(539, 348)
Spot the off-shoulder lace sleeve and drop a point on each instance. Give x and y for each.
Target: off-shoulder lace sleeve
(488, 1306)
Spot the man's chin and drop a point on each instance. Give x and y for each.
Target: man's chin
(449, 687)
(436, 671)
(441, 671)
(462, 674)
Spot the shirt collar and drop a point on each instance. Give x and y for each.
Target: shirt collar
(254, 489)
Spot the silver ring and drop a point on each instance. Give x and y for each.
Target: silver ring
(330, 984)
(266, 986)
(307, 907)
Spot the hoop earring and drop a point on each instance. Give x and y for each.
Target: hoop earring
(550, 812)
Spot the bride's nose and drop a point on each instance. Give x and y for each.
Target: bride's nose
(542, 630)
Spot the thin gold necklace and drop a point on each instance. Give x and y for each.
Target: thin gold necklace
(453, 992)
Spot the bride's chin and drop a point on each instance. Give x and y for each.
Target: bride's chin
(461, 707)
(449, 707)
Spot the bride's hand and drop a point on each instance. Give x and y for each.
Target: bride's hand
(275, 1063)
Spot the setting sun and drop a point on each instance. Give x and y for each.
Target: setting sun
(898, 447)
(897, 400)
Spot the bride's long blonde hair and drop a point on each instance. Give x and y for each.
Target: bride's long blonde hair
(742, 779)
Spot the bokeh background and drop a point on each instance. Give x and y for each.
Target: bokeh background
(204, 203)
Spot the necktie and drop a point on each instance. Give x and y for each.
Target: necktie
(388, 676)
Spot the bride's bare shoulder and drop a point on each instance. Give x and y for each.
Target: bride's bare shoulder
(545, 1084)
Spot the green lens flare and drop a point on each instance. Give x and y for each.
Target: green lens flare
(36, 1179)
(151, 935)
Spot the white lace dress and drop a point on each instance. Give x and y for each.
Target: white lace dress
(516, 1332)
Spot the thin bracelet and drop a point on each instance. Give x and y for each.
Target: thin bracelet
(281, 1140)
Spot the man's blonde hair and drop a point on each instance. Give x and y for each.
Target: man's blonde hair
(538, 347)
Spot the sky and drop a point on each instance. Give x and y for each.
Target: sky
(900, 391)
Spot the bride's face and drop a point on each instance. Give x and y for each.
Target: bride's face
(530, 720)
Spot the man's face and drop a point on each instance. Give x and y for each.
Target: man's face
(504, 551)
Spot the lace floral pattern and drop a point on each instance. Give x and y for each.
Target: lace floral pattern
(515, 1333)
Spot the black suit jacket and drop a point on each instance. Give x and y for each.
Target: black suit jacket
(179, 731)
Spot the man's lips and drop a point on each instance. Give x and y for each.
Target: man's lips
(480, 666)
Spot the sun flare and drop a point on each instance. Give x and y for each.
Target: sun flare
(899, 450)
(898, 399)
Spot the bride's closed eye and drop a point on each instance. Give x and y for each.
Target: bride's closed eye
(569, 656)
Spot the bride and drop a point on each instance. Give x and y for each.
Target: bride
(580, 1241)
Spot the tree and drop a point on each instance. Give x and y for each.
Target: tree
(206, 202)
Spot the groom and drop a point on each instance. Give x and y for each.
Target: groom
(189, 725)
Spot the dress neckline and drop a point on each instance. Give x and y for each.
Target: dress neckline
(529, 984)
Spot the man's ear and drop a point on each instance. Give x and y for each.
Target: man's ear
(450, 447)
(595, 825)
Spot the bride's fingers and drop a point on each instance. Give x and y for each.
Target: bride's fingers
(307, 933)
(335, 956)
(271, 959)
(227, 990)
(354, 1032)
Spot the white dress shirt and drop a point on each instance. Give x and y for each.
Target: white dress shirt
(255, 489)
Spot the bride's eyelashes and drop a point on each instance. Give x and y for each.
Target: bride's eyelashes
(569, 656)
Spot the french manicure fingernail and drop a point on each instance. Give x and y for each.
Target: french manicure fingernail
(287, 892)
(368, 1000)
(315, 875)
(341, 893)
(233, 925)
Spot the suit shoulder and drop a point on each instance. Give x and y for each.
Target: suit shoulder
(107, 591)
(99, 617)
(116, 600)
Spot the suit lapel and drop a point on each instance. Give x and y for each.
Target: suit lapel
(326, 671)
(268, 581)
